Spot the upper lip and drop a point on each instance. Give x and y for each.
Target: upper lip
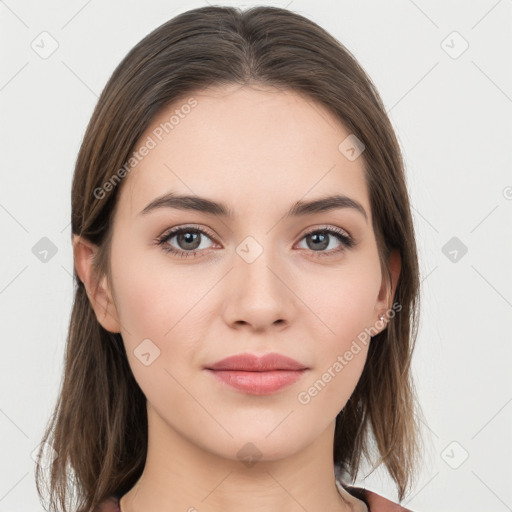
(252, 363)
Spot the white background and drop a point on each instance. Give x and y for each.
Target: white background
(452, 117)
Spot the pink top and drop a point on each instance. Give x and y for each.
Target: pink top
(374, 502)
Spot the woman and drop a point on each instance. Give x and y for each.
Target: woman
(247, 279)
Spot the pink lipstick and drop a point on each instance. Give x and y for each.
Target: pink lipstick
(258, 375)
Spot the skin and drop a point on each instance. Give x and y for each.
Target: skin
(258, 150)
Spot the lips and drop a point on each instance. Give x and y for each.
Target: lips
(257, 375)
(251, 363)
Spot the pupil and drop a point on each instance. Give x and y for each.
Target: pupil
(190, 238)
(322, 238)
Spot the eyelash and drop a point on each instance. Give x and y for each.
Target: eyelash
(347, 242)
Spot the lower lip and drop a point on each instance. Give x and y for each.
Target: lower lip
(258, 383)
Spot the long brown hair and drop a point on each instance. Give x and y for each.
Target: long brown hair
(99, 426)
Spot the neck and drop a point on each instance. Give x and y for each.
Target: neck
(179, 475)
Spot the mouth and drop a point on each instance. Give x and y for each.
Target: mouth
(258, 375)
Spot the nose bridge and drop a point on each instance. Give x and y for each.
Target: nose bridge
(258, 293)
(257, 264)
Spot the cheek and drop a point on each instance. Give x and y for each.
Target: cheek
(160, 313)
(150, 299)
(343, 312)
(342, 303)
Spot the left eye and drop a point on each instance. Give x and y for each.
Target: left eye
(320, 239)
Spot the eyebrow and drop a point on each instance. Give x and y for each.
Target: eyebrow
(208, 206)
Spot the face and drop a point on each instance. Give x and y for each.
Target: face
(257, 281)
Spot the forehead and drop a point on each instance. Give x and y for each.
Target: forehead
(250, 147)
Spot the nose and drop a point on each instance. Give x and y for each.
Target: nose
(258, 295)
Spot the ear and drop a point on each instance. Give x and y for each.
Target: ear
(387, 290)
(99, 292)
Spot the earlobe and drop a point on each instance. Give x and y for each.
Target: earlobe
(98, 291)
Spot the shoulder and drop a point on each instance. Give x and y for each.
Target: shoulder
(375, 502)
